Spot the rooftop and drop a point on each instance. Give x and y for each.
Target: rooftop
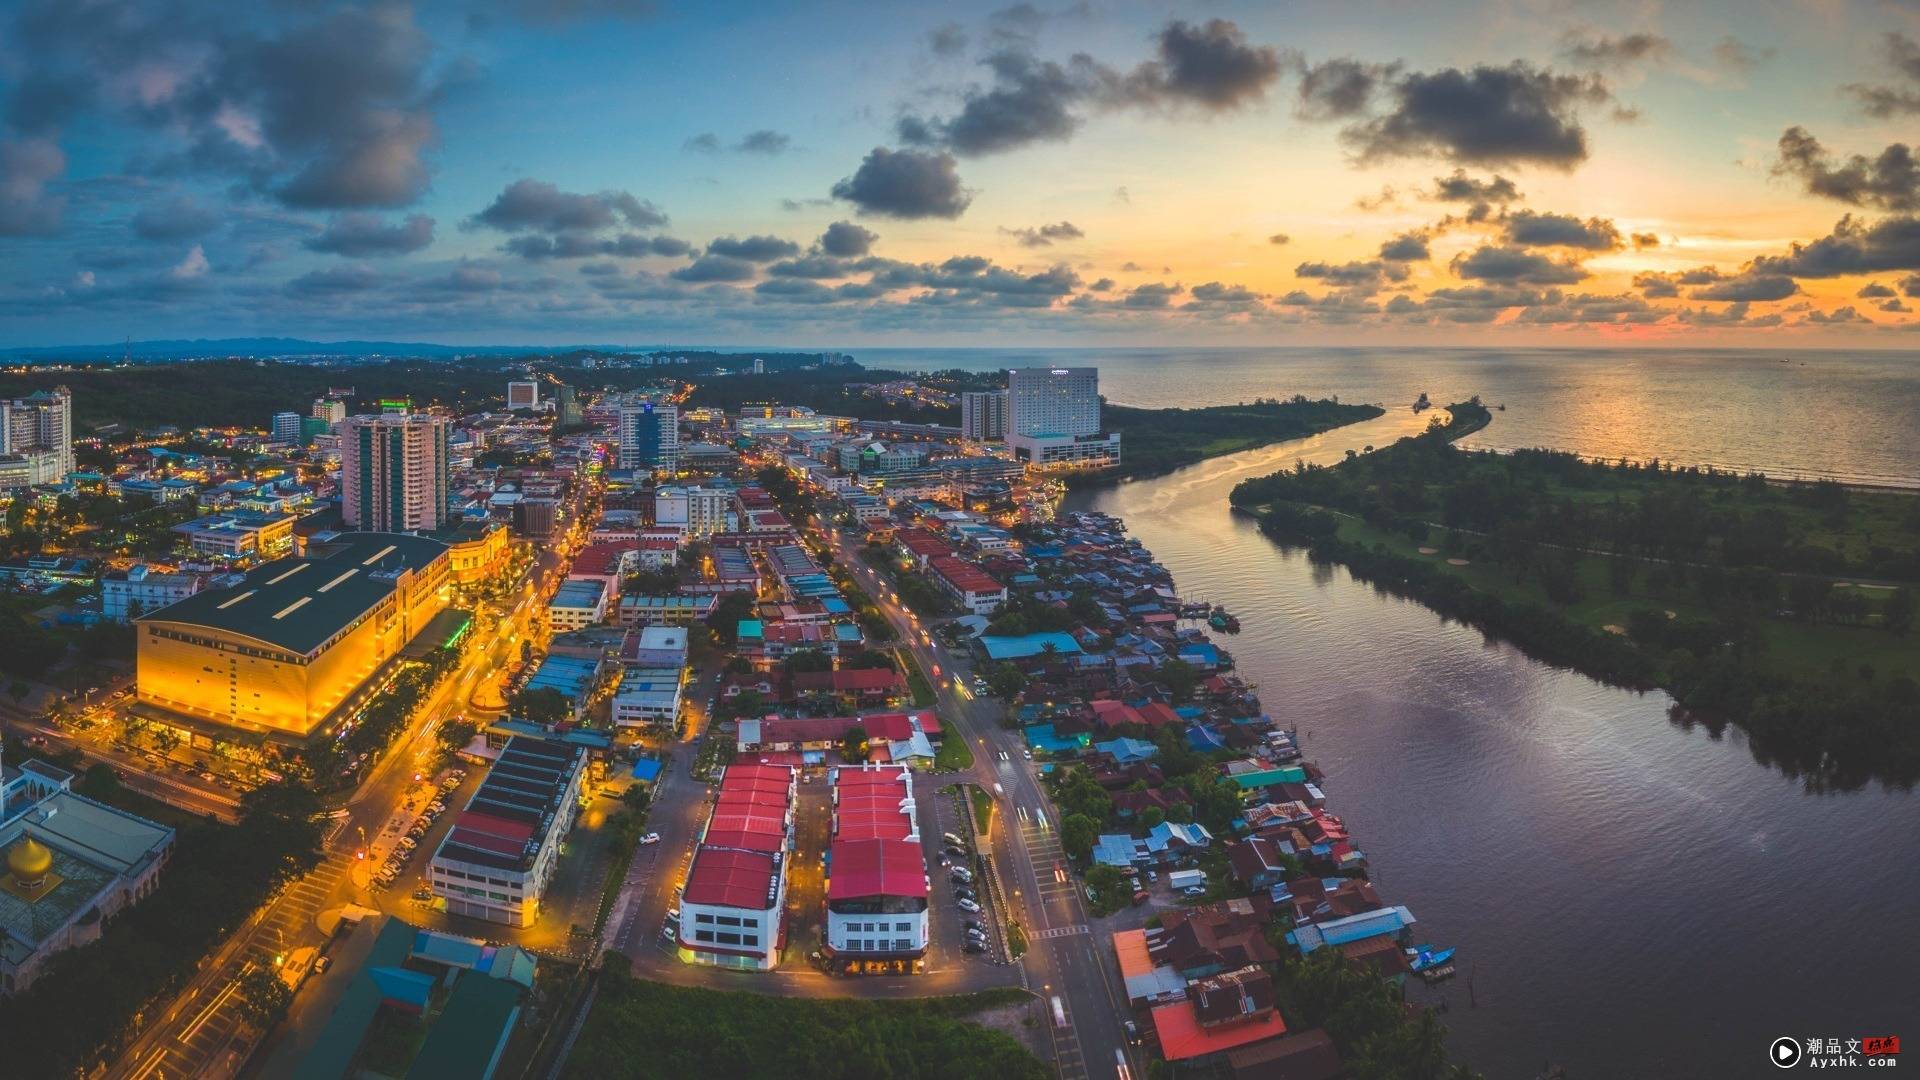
(298, 603)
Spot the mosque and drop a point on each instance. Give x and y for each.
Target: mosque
(72, 864)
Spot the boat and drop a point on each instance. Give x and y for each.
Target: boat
(1221, 620)
(1421, 402)
(1434, 975)
(1423, 958)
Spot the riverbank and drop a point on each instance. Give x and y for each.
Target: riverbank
(1783, 611)
(1157, 441)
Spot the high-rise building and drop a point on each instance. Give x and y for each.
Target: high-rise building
(286, 427)
(523, 395)
(331, 410)
(1053, 418)
(649, 436)
(983, 414)
(567, 407)
(393, 472)
(759, 366)
(36, 438)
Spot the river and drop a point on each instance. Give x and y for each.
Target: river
(1630, 898)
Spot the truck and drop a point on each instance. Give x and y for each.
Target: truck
(1189, 882)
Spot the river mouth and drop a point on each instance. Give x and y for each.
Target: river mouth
(1628, 892)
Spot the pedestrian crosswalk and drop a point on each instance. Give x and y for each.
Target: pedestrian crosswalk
(1052, 932)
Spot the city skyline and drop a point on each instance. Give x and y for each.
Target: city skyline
(980, 175)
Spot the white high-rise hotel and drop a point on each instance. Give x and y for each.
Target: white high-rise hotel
(393, 472)
(1053, 418)
(36, 438)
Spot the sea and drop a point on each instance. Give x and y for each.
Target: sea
(1630, 896)
(1805, 414)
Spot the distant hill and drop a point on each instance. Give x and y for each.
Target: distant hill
(272, 346)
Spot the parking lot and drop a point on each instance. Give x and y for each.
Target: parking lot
(397, 855)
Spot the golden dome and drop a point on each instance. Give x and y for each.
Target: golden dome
(29, 860)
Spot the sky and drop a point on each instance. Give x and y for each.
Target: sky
(844, 174)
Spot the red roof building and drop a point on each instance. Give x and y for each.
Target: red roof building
(731, 907)
(877, 892)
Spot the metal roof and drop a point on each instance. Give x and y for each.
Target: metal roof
(298, 603)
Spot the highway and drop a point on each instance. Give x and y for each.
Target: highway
(1064, 959)
(201, 1033)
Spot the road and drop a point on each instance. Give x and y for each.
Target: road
(201, 1034)
(1064, 959)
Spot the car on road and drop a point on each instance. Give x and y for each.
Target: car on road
(967, 905)
(650, 838)
(1026, 753)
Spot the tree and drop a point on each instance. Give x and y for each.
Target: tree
(1109, 885)
(1006, 681)
(454, 735)
(1180, 678)
(1077, 834)
(1898, 613)
(264, 996)
(853, 744)
(808, 660)
(727, 615)
(542, 705)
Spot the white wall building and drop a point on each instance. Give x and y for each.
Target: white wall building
(696, 511)
(578, 603)
(36, 438)
(983, 414)
(496, 861)
(877, 896)
(1053, 418)
(736, 891)
(137, 590)
(649, 435)
(394, 472)
(523, 395)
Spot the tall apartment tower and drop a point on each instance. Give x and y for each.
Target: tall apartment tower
(286, 427)
(393, 472)
(38, 431)
(566, 406)
(650, 436)
(523, 395)
(1053, 418)
(330, 410)
(983, 414)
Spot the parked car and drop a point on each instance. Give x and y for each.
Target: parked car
(973, 924)
(956, 851)
(673, 914)
(967, 905)
(973, 947)
(650, 838)
(1026, 753)
(977, 935)
(961, 874)
(952, 839)
(670, 930)
(961, 892)
(321, 964)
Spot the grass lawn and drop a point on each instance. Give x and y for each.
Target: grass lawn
(982, 810)
(1016, 940)
(954, 754)
(1808, 648)
(916, 680)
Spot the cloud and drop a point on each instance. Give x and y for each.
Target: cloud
(333, 280)
(1613, 53)
(1369, 274)
(1515, 265)
(1739, 57)
(1481, 196)
(766, 142)
(1886, 102)
(906, 184)
(536, 205)
(753, 248)
(1529, 228)
(1210, 65)
(1105, 284)
(575, 245)
(1644, 241)
(43, 101)
(715, 268)
(1894, 305)
(1853, 247)
(845, 239)
(1659, 285)
(359, 234)
(192, 265)
(1407, 247)
(948, 39)
(178, 218)
(1837, 316)
(1488, 116)
(1045, 235)
(1749, 287)
(1151, 296)
(1910, 286)
(1890, 181)
(1339, 89)
(1214, 292)
(27, 166)
(812, 267)
(1279, 238)
(1873, 290)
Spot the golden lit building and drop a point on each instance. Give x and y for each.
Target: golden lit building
(285, 648)
(480, 550)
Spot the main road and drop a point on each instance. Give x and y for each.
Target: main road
(1063, 960)
(201, 1033)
